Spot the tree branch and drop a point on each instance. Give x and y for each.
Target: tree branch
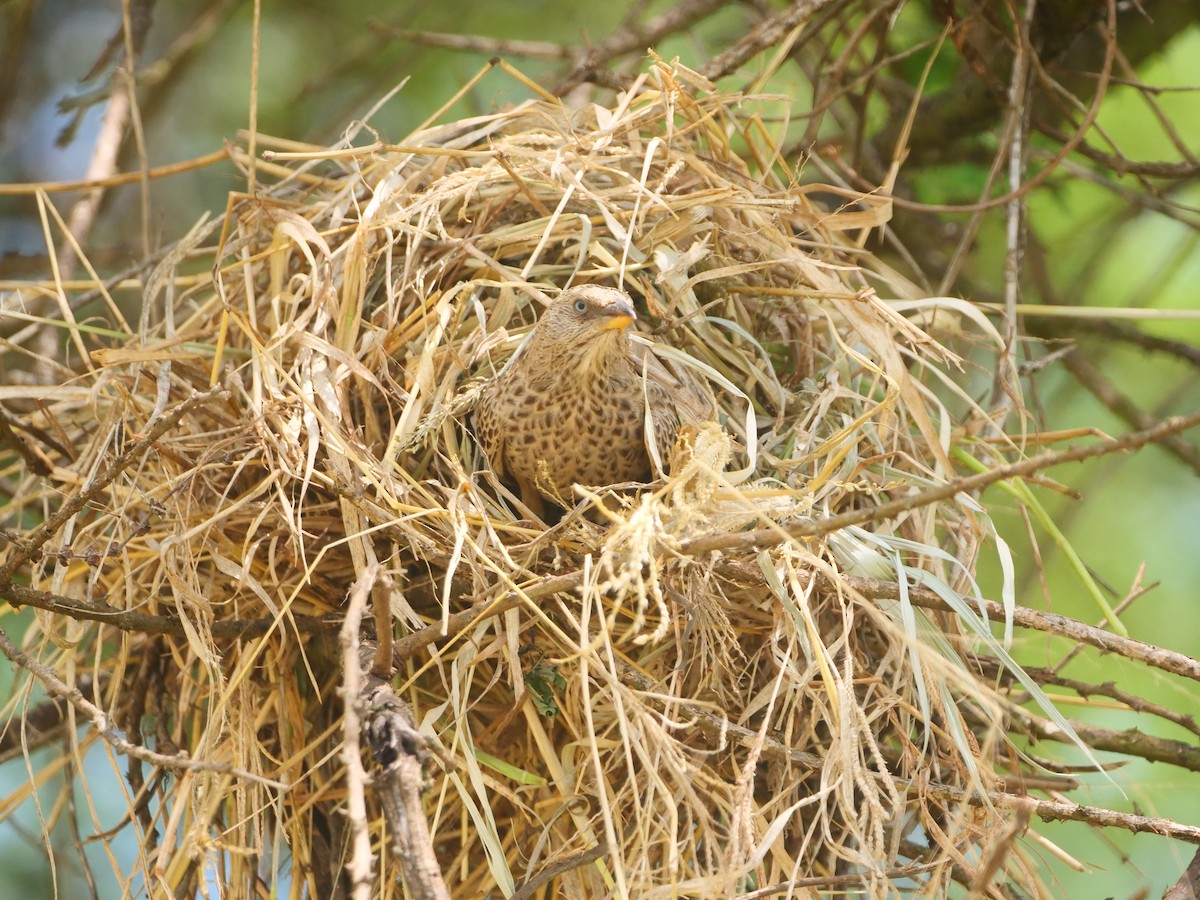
(779, 534)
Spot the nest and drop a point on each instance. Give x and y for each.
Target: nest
(705, 688)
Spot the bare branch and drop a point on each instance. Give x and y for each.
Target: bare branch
(361, 858)
(1188, 885)
(400, 752)
(1072, 629)
(770, 537)
(54, 686)
(134, 452)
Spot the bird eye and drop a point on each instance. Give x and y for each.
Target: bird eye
(581, 306)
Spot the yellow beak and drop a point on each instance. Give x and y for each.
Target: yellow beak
(616, 322)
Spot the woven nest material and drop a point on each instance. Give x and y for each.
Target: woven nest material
(693, 678)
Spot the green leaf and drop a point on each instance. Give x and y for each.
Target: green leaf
(541, 682)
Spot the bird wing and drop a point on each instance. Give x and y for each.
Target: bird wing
(692, 399)
(675, 397)
(491, 431)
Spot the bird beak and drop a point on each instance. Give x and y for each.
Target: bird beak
(621, 319)
(617, 322)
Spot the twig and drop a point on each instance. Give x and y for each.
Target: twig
(858, 879)
(1072, 629)
(1094, 381)
(1017, 130)
(1119, 331)
(381, 665)
(770, 537)
(44, 722)
(133, 453)
(477, 43)
(54, 686)
(1052, 811)
(1130, 742)
(1089, 689)
(1120, 165)
(559, 867)
(765, 34)
(1188, 885)
(676, 18)
(147, 623)
(36, 464)
(400, 752)
(361, 860)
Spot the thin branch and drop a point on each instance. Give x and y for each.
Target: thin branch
(559, 867)
(1094, 381)
(1119, 165)
(133, 453)
(1088, 689)
(361, 859)
(54, 686)
(779, 534)
(1188, 885)
(42, 724)
(1130, 742)
(1051, 811)
(147, 623)
(673, 20)
(477, 43)
(1119, 331)
(35, 463)
(861, 880)
(400, 752)
(1072, 629)
(765, 34)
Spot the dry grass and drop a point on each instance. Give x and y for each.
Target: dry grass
(721, 721)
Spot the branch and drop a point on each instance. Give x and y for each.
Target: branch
(559, 867)
(44, 722)
(146, 623)
(1085, 689)
(779, 534)
(1188, 885)
(627, 40)
(1072, 629)
(133, 453)
(359, 865)
(477, 43)
(1130, 742)
(1093, 380)
(1052, 811)
(35, 463)
(55, 687)
(400, 752)
(766, 34)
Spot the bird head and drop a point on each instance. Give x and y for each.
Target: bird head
(586, 321)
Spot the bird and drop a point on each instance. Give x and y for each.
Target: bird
(570, 407)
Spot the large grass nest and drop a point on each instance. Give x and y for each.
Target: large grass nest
(704, 688)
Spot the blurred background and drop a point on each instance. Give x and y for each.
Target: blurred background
(1106, 136)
